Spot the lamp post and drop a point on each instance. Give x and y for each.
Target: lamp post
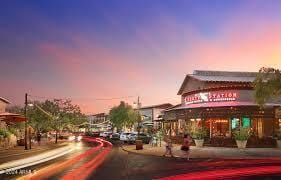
(25, 126)
(138, 141)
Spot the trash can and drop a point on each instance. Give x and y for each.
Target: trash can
(139, 145)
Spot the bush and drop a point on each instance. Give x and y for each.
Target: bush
(242, 133)
(198, 133)
(4, 133)
(13, 131)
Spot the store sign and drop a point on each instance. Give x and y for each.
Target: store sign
(216, 96)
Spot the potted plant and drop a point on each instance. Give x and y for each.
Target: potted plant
(198, 134)
(278, 139)
(241, 136)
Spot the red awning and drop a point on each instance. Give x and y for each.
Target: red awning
(11, 117)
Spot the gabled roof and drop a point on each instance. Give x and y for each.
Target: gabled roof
(220, 76)
(5, 100)
(162, 106)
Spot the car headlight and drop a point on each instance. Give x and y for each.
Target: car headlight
(79, 138)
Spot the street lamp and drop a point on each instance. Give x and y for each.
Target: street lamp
(26, 104)
(138, 141)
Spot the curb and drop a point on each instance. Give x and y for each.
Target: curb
(175, 157)
(208, 158)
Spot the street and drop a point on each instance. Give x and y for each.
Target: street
(124, 165)
(90, 160)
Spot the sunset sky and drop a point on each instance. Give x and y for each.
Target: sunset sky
(92, 49)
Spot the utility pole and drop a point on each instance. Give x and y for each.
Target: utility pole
(138, 141)
(139, 118)
(25, 114)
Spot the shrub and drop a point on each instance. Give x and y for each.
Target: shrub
(198, 133)
(14, 131)
(242, 133)
(4, 133)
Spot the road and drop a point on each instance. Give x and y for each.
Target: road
(124, 165)
(98, 160)
(64, 166)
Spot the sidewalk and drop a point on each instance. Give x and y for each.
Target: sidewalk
(19, 152)
(210, 152)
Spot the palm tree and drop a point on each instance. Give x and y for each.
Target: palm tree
(267, 85)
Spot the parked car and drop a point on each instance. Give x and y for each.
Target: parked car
(124, 136)
(142, 136)
(105, 134)
(115, 136)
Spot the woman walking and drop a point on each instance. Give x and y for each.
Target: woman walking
(168, 148)
(186, 146)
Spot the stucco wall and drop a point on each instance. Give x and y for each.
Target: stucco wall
(2, 106)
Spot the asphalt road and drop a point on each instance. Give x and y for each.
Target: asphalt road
(120, 164)
(81, 147)
(123, 165)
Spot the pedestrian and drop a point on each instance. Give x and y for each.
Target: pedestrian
(154, 141)
(186, 146)
(168, 148)
(39, 138)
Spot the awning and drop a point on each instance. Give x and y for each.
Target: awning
(221, 104)
(11, 117)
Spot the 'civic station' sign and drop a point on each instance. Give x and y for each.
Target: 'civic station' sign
(215, 96)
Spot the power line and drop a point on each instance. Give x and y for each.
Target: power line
(94, 99)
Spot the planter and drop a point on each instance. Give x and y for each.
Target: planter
(139, 145)
(241, 144)
(278, 143)
(199, 142)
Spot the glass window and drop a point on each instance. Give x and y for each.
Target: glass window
(234, 123)
(246, 122)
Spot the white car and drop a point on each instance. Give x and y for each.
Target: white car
(124, 136)
(105, 134)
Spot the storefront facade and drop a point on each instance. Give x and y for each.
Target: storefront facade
(221, 102)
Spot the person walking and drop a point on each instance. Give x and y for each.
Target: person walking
(39, 139)
(168, 148)
(186, 146)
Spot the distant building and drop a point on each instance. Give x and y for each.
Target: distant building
(99, 122)
(3, 104)
(152, 115)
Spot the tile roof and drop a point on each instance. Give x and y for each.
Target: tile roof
(224, 76)
(220, 76)
(5, 100)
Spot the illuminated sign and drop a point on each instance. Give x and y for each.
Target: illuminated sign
(215, 96)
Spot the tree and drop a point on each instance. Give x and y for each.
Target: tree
(66, 116)
(122, 115)
(55, 114)
(267, 85)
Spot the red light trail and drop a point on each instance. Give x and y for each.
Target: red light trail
(227, 173)
(82, 171)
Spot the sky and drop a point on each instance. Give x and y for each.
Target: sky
(92, 51)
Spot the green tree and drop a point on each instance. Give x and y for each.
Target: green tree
(267, 85)
(122, 115)
(66, 116)
(55, 114)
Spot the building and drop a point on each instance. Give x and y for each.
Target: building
(3, 104)
(152, 115)
(99, 122)
(222, 101)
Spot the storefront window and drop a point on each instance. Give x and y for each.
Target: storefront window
(246, 122)
(234, 123)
